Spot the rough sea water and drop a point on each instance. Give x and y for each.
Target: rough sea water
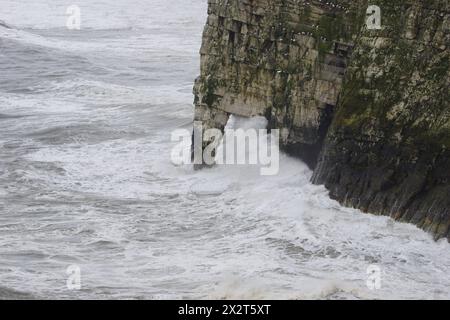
(86, 178)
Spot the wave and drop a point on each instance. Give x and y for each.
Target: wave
(4, 25)
(232, 287)
(11, 294)
(31, 38)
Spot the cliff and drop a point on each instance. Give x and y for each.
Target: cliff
(366, 109)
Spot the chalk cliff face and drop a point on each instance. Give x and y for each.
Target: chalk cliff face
(367, 109)
(281, 59)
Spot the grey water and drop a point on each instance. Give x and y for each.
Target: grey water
(86, 178)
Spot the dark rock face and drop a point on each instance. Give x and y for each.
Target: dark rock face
(372, 103)
(387, 151)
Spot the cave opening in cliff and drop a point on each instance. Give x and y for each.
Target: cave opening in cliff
(231, 36)
(309, 152)
(326, 117)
